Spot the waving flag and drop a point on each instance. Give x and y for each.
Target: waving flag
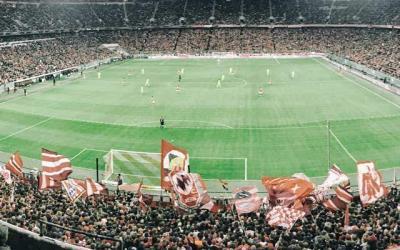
(73, 189)
(370, 183)
(284, 217)
(335, 177)
(246, 199)
(6, 174)
(341, 200)
(93, 187)
(191, 191)
(15, 164)
(56, 166)
(173, 159)
(285, 191)
(48, 182)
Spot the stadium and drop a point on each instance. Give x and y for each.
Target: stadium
(199, 124)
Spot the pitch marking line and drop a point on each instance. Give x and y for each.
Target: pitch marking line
(342, 146)
(359, 85)
(25, 129)
(276, 60)
(83, 150)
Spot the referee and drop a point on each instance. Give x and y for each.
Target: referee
(162, 122)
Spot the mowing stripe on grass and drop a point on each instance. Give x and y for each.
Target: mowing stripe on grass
(25, 129)
(359, 85)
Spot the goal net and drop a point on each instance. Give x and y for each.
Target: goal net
(137, 166)
(133, 166)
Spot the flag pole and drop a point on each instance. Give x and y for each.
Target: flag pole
(328, 126)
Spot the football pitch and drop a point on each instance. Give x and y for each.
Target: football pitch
(231, 132)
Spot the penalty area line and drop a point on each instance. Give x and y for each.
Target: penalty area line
(80, 152)
(25, 129)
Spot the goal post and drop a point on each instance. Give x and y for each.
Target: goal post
(135, 166)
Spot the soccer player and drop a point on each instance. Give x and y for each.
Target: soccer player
(222, 77)
(98, 75)
(267, 72)
(153, 101)
(219, 61)
(141, 90)
(219, 83)
(162, 122)
(270, 82)
(230, 71)
(142, 71)
(147, 84)
(179, 75)
(25, 92)
(260, 91)
(292, 74)
(178, 89)
(182, 71)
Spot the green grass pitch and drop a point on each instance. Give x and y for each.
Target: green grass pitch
(278, 134)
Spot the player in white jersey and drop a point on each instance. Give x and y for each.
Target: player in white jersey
(292, 75)
(98, 75)
(267, 72)
(260, 91)
(142, 71)
(147, 84)
(153, 101)
(178, 89)
(219, 83)
(182, 71)
(222, 77)
(141, 90)
(230, 71)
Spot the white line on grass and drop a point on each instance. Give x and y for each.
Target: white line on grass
(25, 129)
(342, 146)
(359, 85)
(83, 150)
(276, 60)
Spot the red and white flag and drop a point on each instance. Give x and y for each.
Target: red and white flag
(56, 166)
(6, 174)
(173, 159)
(335, 177)
(341, 200)
(48, 182)
(370, 183)
(15, 164)
(283, 216)
(285, 191)
(246, 199)
(93, 187)
(191, 191)
(73, 189)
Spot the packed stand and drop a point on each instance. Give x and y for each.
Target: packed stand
(44, 57)
(64, 15)
(376, 226)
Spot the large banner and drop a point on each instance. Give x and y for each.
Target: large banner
(173, 160)
(370, 183)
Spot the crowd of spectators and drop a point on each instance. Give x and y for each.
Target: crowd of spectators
(39, 15)
(42, 57)
(376, 226)
(375, 48)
